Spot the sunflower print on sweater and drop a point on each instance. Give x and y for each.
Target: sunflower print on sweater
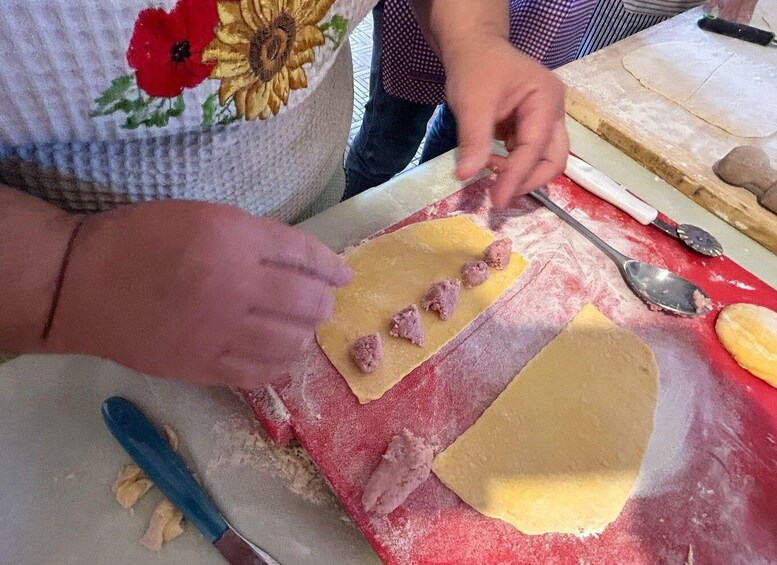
(256, 49)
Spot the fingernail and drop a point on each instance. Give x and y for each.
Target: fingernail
(347, 275)
(469, 164)
(466, 160)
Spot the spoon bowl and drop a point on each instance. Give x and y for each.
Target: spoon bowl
(663, 289)
(659, 288)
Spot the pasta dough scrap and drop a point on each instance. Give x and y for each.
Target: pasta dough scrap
(394, 270)
(171, 435)
(749, 333)
(130, 486)
(164, 525)
(560, 449)
(733, 91)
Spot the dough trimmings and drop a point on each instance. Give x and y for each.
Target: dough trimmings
(164, 526)
(166, 522)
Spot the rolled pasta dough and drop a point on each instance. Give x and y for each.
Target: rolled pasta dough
(560, 449)
(749, 333)
(393, 271)
(733, 91)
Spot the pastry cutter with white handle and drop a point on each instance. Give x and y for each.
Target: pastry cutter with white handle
(607, 189)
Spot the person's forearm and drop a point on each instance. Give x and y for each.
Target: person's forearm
(33, 239)
(450, 24)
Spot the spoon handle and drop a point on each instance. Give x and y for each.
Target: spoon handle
(584, 231)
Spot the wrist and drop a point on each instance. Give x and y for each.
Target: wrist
(476, 43)
(33, 262)
(60, 280)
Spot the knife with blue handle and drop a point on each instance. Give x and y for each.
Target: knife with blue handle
(141, 440)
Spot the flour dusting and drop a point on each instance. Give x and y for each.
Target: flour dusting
(691, 487)
(572, 257)
(677, 402)
(249, 446)
(739, 284)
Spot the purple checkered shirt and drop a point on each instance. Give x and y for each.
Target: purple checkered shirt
(548, 30)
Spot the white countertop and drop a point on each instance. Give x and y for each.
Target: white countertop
(58, 460)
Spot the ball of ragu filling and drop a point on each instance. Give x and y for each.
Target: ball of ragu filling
(475, 273)
(442, 297)
(498, 254)
(367, 352)
(407, 324)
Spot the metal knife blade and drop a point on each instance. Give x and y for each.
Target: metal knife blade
(239, 551)
(664, 227)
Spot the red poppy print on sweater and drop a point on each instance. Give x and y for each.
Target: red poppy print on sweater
(166, 49)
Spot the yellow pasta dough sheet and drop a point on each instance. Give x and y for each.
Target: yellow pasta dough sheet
(393, 271)
(560, 449)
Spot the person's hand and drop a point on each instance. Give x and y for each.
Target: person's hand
(740, 11)
(496, 91)
(194, 291)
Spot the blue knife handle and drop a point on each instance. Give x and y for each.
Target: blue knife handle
(153, 454)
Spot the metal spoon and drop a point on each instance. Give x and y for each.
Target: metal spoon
(652, 284)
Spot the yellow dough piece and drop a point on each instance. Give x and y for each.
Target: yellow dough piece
(164, 525)
(171, 435)
(749, 333)
(560, 449)
(131, 485)
(393, 271)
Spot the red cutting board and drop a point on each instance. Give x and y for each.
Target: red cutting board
(709, 481)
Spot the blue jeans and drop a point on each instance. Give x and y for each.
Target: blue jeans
(392, 130)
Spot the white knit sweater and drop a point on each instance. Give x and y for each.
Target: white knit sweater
(59, 140)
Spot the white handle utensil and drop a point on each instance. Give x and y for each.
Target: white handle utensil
(607, 189)
(604, 187)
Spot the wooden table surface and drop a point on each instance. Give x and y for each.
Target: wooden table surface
(668, 140)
